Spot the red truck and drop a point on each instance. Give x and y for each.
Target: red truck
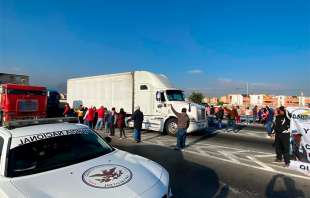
(22, 102)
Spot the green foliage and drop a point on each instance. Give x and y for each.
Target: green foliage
(220, 103)
(196, 97)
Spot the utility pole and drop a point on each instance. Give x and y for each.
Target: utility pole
(247, 89)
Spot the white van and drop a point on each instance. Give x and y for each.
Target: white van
(152, 92)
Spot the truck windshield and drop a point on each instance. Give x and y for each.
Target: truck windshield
(175, 95)
(26, 92)
(56, 152)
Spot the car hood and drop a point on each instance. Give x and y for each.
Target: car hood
(113, 175)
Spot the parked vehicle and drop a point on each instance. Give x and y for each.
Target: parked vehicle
(152, 92)
(54, 158)
(22, 102)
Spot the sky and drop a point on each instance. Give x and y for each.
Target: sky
(215, 47)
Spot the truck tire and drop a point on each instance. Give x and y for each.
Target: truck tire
(171, 126)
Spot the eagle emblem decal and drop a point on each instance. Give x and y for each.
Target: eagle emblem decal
(107, 176)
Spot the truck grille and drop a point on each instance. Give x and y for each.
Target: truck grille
(28, 106)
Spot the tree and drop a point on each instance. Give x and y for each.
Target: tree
(220, 103)
(196, 97)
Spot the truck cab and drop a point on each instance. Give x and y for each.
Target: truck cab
(22, 102)
(154, 94)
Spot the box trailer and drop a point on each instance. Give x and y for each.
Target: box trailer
(152, 92)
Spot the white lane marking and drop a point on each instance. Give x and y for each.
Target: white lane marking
(263, 156)
(252, 166)
(229, 148)
(260, 163)
(230, 156)
(200, 150)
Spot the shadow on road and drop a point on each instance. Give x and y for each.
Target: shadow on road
(282, 186)
(188, 179)
(202, 138)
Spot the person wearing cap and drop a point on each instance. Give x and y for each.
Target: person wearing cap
(137, 118)
(183, 124)
(281, 127)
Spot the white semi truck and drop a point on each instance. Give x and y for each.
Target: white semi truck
(152, 92)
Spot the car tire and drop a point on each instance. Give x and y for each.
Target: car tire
(171, 126)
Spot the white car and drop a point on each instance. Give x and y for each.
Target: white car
(70, 160)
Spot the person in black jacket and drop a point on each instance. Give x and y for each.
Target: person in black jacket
(281, 127)
(137, 118)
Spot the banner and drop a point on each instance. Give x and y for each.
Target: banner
(300, 139)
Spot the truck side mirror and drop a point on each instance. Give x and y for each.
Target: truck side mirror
(158, 97)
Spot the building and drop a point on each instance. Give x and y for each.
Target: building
(291, 101)
(214, 100)
(206, 100)
(257, 100)
(270, 100)
(236, 99)
(246, 100)
(262, 100)
(302, 101)
(225, 100)
(211, 100)
(14, 79)
(307, 101)
(281, 100)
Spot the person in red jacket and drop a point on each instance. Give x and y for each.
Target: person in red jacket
(100, 121)
(89, 117)
(121, 123)
(67, 110)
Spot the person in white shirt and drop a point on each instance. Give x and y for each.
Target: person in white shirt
(247, 115)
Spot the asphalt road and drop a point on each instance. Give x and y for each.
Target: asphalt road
(218, 164)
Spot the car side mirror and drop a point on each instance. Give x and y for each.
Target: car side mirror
(108, 139)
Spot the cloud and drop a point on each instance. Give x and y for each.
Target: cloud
(195, 71)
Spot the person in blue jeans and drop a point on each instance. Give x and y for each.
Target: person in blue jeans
(137, 118)
(183, 124)
(269, 121)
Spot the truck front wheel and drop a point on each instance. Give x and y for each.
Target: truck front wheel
(171, 126)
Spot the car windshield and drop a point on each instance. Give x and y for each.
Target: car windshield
(175, 95)
(56, 152)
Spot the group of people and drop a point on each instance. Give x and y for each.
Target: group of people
(97, 118)
(276, 121)
(217, 114)
(264, 115)
(102, 118)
